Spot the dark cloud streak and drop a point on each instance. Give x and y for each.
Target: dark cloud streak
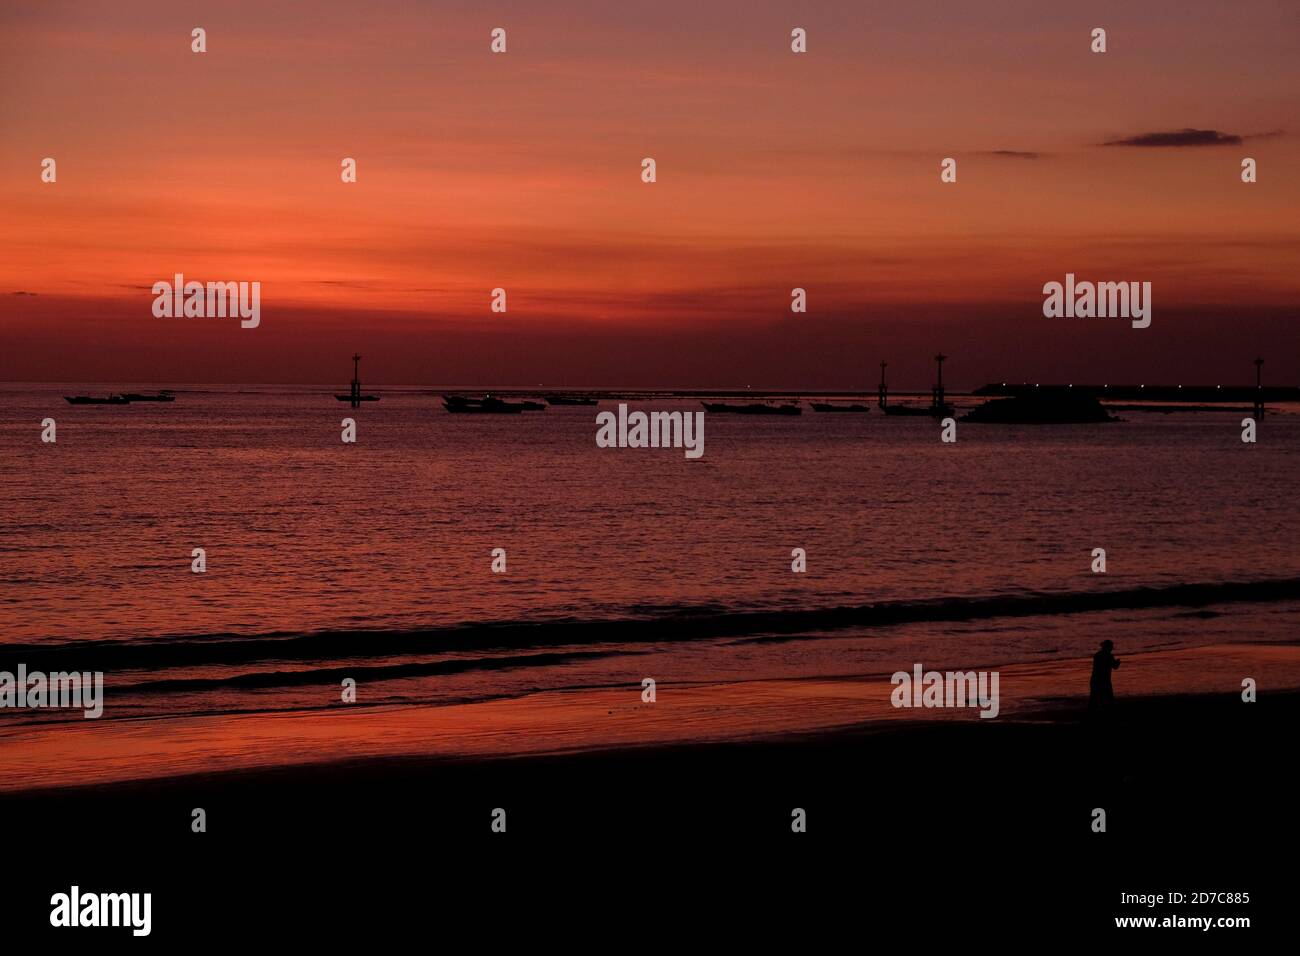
(1182, 137)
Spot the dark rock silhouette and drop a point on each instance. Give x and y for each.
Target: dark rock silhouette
(1050, 409)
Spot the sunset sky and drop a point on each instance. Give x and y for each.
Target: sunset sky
(522, 170)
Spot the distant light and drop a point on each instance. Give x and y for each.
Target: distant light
(1071, 385)
(1218, 386)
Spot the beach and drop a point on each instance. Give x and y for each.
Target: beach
(991, 816)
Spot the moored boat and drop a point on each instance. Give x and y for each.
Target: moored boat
(487, 405)
(752, 409)
(163, 396)
(829, 407)
(93, 400)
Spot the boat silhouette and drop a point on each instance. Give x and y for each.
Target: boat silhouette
(163, 396)
(92, 400)
(487, 405)
(571, 400)
(828, 407)
(752, 409)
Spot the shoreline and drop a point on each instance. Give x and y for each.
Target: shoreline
(150, 752)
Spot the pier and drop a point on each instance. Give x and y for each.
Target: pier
(1240, 394)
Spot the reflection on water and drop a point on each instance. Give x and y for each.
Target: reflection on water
(392, 537)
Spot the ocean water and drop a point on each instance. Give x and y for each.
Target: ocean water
(373, 560)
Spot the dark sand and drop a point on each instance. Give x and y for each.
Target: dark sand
(975, 832)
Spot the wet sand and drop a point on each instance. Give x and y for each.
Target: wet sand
(88, 753)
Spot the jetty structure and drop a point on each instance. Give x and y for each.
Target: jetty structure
(354, 396)
(1175, 396)
(938, 407)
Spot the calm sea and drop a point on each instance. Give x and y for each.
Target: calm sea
(374, 559)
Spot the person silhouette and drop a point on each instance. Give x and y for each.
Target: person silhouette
(1103, 662)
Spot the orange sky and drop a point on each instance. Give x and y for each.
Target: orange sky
(521, 170)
